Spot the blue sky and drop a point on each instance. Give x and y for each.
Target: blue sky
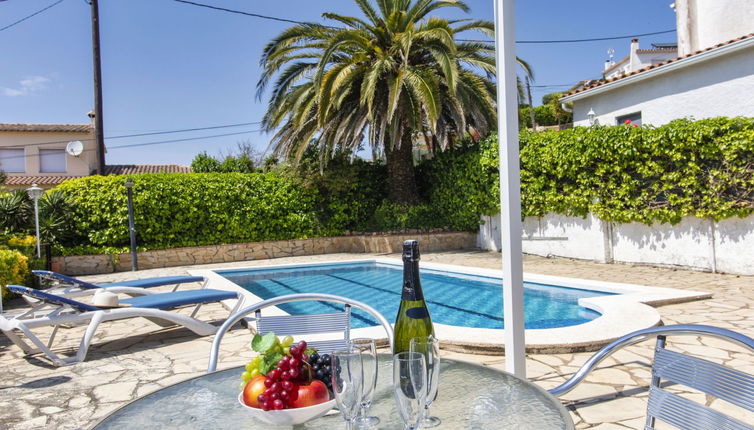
(169, 66)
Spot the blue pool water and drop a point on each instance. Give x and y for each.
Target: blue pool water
(453, 298)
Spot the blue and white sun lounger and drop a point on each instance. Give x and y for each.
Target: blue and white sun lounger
(72, 285)
(54, 310)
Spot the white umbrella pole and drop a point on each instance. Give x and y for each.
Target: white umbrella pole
(510, 187)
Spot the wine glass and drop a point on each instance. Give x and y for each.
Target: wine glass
(347, 371)
(429, 347)
(409, 387)
(368, 351)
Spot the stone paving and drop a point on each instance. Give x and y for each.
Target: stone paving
(134, 357)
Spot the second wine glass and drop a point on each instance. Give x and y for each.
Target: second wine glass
(368, 350)
(347, 377)
(429, 347)
(409, 387)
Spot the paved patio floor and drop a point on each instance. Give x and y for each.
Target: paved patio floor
(131, 358)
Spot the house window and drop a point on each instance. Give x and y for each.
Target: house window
(51, 160)
(631, 119)
(12, 160)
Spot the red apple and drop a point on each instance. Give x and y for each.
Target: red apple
(253, 389)
(310, 395)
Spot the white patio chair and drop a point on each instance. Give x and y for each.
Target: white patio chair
(283, 325)
(51, 310)
(710, 378)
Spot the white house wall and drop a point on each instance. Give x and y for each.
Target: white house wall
(686, 244)
(734, 245)
(721, 86)
(704, 23)
(698, 244)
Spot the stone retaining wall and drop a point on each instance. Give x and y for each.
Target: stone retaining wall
(97, 264)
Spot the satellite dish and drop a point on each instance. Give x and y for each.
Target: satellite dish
(74, 148)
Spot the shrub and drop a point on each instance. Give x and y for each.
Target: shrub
(348, 191)
(173, 210)
(13, 270)
(642, 174)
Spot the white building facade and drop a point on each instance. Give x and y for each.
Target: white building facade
(710, 71)
(718, 82)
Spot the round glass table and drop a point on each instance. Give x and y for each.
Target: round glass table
(470, 397)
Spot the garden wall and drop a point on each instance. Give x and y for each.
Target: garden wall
(96, 264)
(694, 243)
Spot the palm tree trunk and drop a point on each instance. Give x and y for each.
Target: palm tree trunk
(400, 172)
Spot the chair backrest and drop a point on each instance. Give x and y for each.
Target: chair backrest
(52, 298)
(720, 381)
(674, 368)
(284, 325)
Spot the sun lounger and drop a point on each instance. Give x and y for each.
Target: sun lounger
(71, 285)
(55, 311)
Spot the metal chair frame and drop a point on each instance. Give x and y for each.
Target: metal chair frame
(301, 324)
(720, 381)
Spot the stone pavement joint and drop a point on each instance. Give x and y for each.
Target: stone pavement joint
(131, 358)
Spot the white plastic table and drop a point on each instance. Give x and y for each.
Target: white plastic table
(470, 397)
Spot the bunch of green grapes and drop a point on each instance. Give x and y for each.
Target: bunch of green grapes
(254, 367)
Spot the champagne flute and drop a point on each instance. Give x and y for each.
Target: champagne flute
(347, 377)
(368, 351)
(429, 347)
(409, 387)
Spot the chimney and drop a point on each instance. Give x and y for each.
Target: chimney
(633, 59)
(608, 64)
(685, 13)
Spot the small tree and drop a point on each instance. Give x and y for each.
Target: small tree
(560, 115)
(246, 160)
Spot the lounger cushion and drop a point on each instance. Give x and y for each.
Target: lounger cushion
(154, 282)
(179, 298)
(52, 298)
(139, 283)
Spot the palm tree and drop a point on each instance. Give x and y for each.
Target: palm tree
(390, 78)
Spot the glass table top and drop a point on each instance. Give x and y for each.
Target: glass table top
(470, 397)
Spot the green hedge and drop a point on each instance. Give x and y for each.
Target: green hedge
(173, 210)
(644, 174)
(619, 173)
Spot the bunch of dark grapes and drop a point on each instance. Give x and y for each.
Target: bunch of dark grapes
(282, 382)
(321, 368)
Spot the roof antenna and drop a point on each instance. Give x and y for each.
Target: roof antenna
(610, 53)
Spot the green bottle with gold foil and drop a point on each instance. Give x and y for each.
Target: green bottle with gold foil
(413, 318)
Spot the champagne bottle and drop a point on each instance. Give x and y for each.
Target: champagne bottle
(413, 316)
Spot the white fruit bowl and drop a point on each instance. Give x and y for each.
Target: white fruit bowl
(288, 416)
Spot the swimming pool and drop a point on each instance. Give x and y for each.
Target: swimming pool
(454, 299)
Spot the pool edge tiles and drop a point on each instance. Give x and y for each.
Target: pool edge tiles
(629, 310)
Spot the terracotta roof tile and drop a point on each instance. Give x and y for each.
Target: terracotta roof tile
(656, 51)
(654, 66)
(39, 180)
(130, 169)
(48, 128)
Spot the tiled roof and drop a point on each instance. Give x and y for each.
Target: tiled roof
(39, 180)
(656, 51)
(654, 66)
(48, 128)
(130, 169)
